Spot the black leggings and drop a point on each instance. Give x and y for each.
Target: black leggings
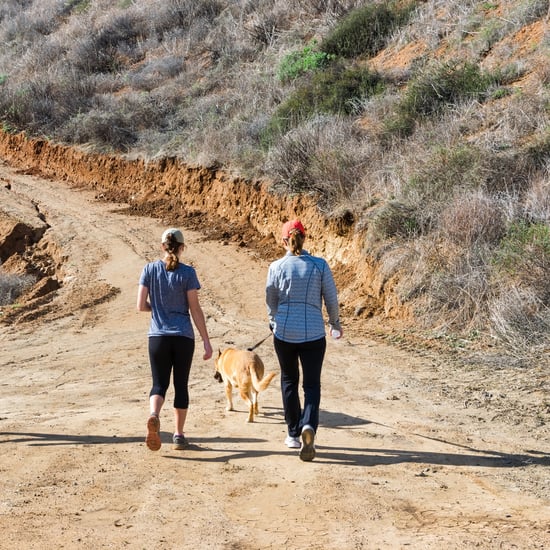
(167, 353)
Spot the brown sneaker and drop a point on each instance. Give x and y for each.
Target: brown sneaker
(152, 439)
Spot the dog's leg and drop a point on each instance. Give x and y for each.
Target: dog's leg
(255, 396)
(229, 395)
(246, 398)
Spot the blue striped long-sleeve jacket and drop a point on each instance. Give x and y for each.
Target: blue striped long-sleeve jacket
(296, 288)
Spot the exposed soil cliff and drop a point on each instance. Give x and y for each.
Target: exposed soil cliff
(211, 201)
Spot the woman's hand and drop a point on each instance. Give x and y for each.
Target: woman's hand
(207, 351)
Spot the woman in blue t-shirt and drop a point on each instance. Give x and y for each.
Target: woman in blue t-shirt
(168, 289)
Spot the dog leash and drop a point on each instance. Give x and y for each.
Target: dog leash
(259, 343)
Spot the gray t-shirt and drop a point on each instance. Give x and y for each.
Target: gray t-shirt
(168, 297)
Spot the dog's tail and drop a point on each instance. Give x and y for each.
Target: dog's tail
(261, 385)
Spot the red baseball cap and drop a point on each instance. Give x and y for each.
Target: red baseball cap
(293, 226)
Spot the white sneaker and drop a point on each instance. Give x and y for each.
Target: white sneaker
(307, 452)
(292, 442)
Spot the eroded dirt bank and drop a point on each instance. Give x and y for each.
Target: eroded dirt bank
(211, 201)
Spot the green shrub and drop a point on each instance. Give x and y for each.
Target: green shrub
(79, 6)
(17, 107)
(394, 219)
(436, 88)
(332, 91)
(365, 30)
(436, 179)
(299, 62)
(521, 309)
(500, 93)
(538, 152)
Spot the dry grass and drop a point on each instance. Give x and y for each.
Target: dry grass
(12, 286)
(522, 320)
(471, 219)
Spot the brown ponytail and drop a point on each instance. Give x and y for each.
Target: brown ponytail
(171, 247)
(296, 241)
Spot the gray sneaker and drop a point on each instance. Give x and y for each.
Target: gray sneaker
(307, 452)
(180, 442)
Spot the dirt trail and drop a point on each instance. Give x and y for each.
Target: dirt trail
(411, 452)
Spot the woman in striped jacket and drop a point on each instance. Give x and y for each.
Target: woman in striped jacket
(297, 286)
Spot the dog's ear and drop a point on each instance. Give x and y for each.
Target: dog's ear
(219, 352)
(218, 376)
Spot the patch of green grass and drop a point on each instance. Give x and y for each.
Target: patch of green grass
(500, 93)
(299, 62)
(522, 242)
(7, 128)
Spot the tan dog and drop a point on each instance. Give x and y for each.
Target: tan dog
(243, 370)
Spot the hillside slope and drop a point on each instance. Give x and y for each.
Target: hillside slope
(412, 137)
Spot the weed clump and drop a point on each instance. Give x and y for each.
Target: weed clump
(298, 63)
(364, 31)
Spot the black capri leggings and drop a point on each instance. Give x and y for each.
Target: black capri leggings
(167, 353)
